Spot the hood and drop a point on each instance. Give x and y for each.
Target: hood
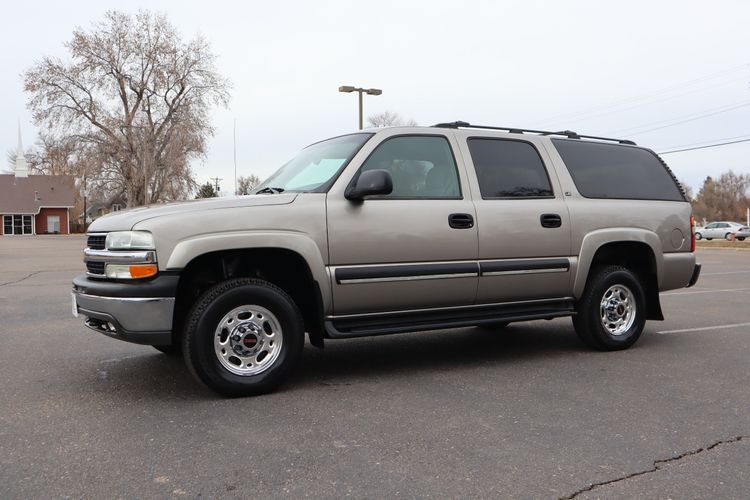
(126, 219)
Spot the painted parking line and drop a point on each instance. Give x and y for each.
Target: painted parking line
(724, 272)
(710, 290)
(704, 328)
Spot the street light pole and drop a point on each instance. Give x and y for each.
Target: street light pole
(360, 110)
(348, 88)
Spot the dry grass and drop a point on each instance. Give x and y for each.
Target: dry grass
(736, 245)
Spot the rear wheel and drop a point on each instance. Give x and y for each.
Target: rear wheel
(611, 313)
(728, 236)
(243, 337)
(698, 236)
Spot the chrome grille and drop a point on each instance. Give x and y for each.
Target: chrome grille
(96, 241)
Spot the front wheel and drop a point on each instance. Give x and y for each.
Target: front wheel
(740, 238)
(611, 313)
(243, 337)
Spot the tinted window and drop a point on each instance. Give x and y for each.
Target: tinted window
(615, 171)
(420, 166)
(509, 169)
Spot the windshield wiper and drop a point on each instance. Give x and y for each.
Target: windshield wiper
(270, 190)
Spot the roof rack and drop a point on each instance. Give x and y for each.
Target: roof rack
(515, 130)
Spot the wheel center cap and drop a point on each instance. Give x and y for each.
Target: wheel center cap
(249, 341)
(620, 309)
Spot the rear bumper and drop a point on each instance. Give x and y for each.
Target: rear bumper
(133, 312)
(696, 274)
(678, 267)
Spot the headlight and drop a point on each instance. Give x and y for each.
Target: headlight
(129, 240)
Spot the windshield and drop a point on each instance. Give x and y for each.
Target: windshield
(315, 167)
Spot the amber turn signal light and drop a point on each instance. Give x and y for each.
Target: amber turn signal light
(143, 270)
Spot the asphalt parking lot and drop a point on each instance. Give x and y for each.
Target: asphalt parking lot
(525, 412)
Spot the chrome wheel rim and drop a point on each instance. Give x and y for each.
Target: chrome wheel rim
(248, 340)
(617, 310)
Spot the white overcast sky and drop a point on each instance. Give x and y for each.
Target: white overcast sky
(599, 68)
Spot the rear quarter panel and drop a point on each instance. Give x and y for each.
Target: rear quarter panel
(663, 225)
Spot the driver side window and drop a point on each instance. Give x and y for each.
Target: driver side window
(420, 166)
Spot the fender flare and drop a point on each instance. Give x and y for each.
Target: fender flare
(188, 249)
(594, 240)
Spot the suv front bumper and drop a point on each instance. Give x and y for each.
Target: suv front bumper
(139, 312)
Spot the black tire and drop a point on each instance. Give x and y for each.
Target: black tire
(204, 318)
(169, 350)
(698, 236)
(728, 236)
(740, 238)
(709, 239)
(588, 321)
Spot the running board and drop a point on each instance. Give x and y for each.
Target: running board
(367, 325)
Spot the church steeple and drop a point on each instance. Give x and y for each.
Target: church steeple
(21, 170)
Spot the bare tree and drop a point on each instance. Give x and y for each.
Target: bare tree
(687, 190)
(136, 98)
(725, 198)
(245, 184)
(389, 119)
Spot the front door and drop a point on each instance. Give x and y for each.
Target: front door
(415, 248)
(524, 228)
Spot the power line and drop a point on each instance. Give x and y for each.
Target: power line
(595, 114)
(684, 119)
(706, 146)
(598, 110)
(710, 141)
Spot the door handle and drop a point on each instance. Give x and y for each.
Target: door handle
(550, 220)
(461, 221)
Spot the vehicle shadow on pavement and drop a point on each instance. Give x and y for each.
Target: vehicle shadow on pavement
(146, 376)
(443, 351)
(156, 376)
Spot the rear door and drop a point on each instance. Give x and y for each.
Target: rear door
(524, 227)
(415, 248)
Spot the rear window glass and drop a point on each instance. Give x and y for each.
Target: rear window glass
(509, 169)
(617, 172)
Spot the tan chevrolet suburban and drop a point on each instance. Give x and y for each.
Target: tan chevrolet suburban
(395, 230)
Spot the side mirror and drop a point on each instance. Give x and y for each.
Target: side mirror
(369, 183)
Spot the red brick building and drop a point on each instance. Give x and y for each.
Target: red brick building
(34, 204)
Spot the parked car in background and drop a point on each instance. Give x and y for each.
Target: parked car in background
(721, 229)
(744, 232)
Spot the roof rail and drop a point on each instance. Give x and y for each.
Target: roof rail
(515, 130)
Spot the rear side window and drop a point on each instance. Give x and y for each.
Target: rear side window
(617, 172)
(509, 169)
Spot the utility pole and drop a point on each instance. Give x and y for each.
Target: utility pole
(145, 173)
(216, 183)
